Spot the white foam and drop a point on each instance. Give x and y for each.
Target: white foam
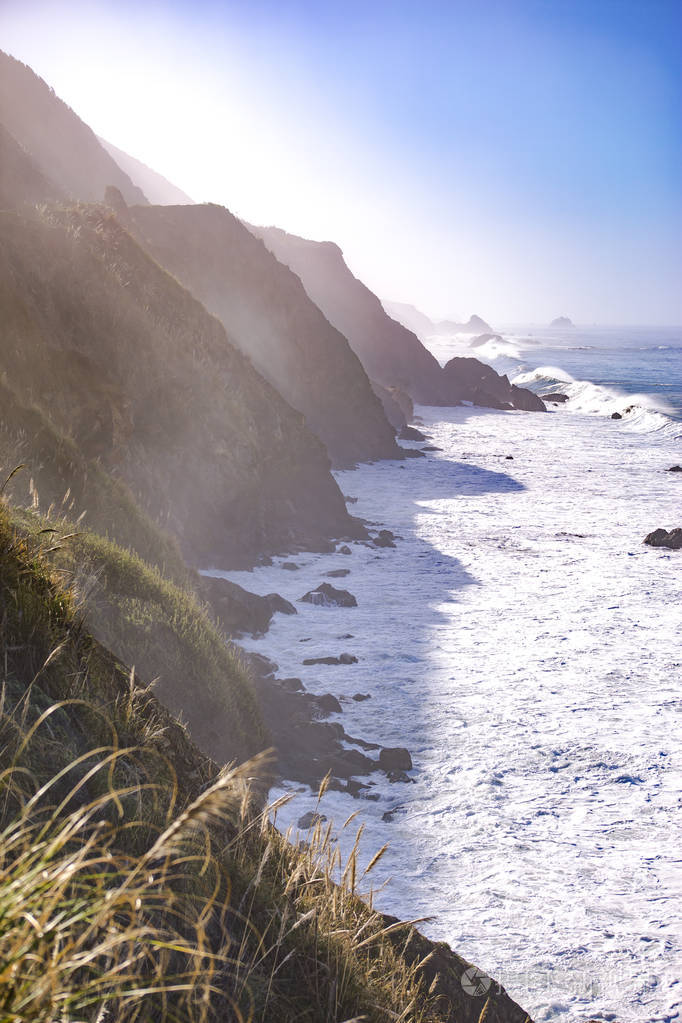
(521, 642)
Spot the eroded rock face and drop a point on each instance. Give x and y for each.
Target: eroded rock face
(663, 538)
(326, 595)
(269, 316)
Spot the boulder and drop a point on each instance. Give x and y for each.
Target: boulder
(361, 697)
(291, 685)
(344, 549)
(237, 610)
(399, 776)
(310, 819)
(395, 759)
(341, 659)
(525, 400)
(289, 566)
(328, 704)
(327, 595)
(674, 468)
(384, 538)
(662, 538)
(337, 573)
(555, 396)
(409, 433)
(278, 603)
(616, 415)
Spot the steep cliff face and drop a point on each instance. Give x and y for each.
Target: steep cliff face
(126, 363)
(390, 353)
(268, 314)
(62, 146)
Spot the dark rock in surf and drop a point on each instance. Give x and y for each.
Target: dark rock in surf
(361, 697)
(384, 538)
(674, 468)
(409, 433)
(327, 595)
(399, 776)
(310, 819)
(277, 603)
(290, 566)
(337, 573)
(240, 611)
(616, 415)
(344, 549)
(341, 659)
(328, 704)
(662, 538)
(395, 759)
(555, 396)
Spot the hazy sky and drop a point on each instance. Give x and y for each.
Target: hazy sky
(520, 159)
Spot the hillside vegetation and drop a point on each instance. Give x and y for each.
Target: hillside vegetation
(203, 910)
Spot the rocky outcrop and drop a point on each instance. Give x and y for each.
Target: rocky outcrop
(395, 759)
(562, 321)
(327, 595)
(474, 325)
(674, 468)
(392, 355)
(471, 380)
(63, 148)
(238, 611)
(555, 396)
(663, 538)
(270, 317)
(134, 370)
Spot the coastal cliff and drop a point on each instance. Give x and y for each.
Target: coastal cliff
(392, 355)
(269, 316)
(129, 366)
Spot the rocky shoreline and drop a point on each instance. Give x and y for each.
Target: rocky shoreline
(308, 746)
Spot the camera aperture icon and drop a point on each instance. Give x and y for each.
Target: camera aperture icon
(475, 982)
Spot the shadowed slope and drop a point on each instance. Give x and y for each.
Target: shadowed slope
(142, 378)
(268, 314)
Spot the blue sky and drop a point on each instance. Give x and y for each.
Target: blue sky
(519, 159)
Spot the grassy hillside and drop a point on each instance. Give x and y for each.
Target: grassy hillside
(137, 882)
(125, 363)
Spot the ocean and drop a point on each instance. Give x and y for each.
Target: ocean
(523, 644)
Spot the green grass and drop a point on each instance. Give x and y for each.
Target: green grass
(137, 878)
(161, 630)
